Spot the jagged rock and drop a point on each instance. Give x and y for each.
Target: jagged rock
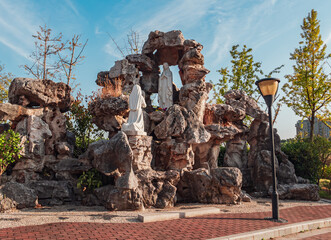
(53, 192)
(108, 155)
(63, 148)
(225, 132)
(13, 194)
(193, 96)
(158, 188)
(127, 181)
(206, 154)
(157, 116)
(239, 99)
(43, 93)
(182, 123)
(57, 125)
(174, 154)
(143, 62)
(72, 165)
(303, 180)
(112, 87)
(119, 200)
(192, 57)
(38, 132)
(245, 197)
(125, 72)
(149, 81)
(190, 43)
(191, 73)
(259, 158)
(141, 149)
(160, 40)
(15, 113)
(222, 185)
(108, 113)
(297, 191)
(35, 165)
(236, 153)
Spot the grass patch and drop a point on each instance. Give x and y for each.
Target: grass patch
(325, 188)
(325, 194)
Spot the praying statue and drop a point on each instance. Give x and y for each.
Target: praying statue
(135, 123)
(165, 95)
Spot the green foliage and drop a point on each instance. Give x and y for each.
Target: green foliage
(308, 156)
(308, 91)
(5, 80)
(9, 149)
(242, 74)
(89, 180)
(220, 159)
(79, 122)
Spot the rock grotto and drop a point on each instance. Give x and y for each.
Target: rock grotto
(175, 161)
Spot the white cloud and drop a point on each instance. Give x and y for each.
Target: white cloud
(185, 13)
(72, 7)
(328, 39)
(15, 48)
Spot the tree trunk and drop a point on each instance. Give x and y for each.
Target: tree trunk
(312, 122)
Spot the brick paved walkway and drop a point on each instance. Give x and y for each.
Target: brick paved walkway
(205, 227)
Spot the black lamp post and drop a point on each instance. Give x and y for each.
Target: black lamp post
(268, 88)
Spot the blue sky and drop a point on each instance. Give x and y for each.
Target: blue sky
(270, 27)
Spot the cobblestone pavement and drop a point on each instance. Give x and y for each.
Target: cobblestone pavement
(205, 227)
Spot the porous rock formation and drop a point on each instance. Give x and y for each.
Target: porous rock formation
(176, 162)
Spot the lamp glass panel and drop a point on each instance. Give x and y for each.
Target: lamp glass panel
(268, 87)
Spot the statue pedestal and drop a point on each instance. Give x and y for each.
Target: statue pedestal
(141, 147)
(134, 133)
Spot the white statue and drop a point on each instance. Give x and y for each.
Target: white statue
(165, 95)
(135, 123)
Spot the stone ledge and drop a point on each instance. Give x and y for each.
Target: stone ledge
(279, 231)
(162, 216)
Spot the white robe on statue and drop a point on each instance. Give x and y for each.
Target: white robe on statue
(135, 123)
(165, 95)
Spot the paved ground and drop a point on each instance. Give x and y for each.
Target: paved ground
(205, 227)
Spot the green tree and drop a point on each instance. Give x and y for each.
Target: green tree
(308, 91)
(242, 74)
(5, 80)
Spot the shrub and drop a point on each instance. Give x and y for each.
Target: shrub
(89, 180)
(9, 149)
(308, 156)
(79, 122)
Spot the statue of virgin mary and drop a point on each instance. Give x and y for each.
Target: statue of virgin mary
(135, 123)
(165, 95)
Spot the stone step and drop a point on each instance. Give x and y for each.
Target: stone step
(185, 213)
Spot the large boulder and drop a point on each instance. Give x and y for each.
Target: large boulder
(179, 122)
(158, 188)
(108, 155)
(13, 194)
(43, 93)
(221, 185)
(308, 192)
(15, 113)
(115, 199)
(53, 192)
(173, 154)
(109, 113)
